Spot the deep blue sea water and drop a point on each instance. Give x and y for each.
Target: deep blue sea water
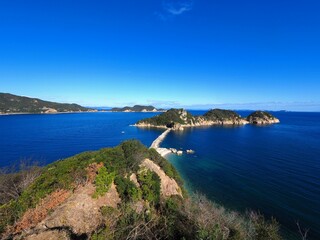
(46, 138)
(274, 169)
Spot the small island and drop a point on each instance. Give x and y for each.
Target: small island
(13, 104)
(261, 118)
(177, 119)
(137, 108)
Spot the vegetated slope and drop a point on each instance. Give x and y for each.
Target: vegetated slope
(125, 192)
(136, 108)
(10, 103)
(221, 115)
(169, 118)
(179, 118)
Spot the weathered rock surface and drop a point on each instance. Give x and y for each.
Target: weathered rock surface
(49, 235)
(49, 110)
(78, 215)
(81, 213)
(133, 178)
(169, 186)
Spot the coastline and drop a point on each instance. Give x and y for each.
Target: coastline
(182, 126)
(168, 154)
(135, 111)
(51, 113)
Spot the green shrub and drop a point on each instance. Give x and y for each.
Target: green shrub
(112, 158)
(127, 189)
(134, 152)
(221, 114)
(150, 186)
(102, 234)
(103, 182)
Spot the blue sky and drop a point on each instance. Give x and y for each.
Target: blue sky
(196, 54)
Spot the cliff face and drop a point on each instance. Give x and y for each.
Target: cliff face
(261, 118)
(169, 186)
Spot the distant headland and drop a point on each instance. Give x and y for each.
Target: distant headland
(177, 119)
(137, 108)
(13, 104)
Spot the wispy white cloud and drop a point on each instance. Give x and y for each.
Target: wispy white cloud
(172, 8)
(272, 106)
(177, 7)
(163, 103)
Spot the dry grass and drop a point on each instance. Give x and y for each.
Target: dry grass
(35, 215)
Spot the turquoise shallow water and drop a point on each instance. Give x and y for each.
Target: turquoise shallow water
(274, 169)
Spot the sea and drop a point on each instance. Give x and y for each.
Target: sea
(274, 169)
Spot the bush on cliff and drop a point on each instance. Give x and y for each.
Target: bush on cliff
(103, 182)
(150, 186)
(127, 190)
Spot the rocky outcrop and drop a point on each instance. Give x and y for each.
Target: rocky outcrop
(49, 235)
(81, 213)
(33, 216)
(133, 178)
(262, 118)
(169, 186)
(203, 121)
(78, 215)
(49, 110)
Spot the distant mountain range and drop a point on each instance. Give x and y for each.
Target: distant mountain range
(137, 108)
(10, 103)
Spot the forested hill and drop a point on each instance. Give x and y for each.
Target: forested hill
(177, 119)
(10, 103)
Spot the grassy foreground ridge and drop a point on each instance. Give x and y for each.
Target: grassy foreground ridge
(125, 192)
